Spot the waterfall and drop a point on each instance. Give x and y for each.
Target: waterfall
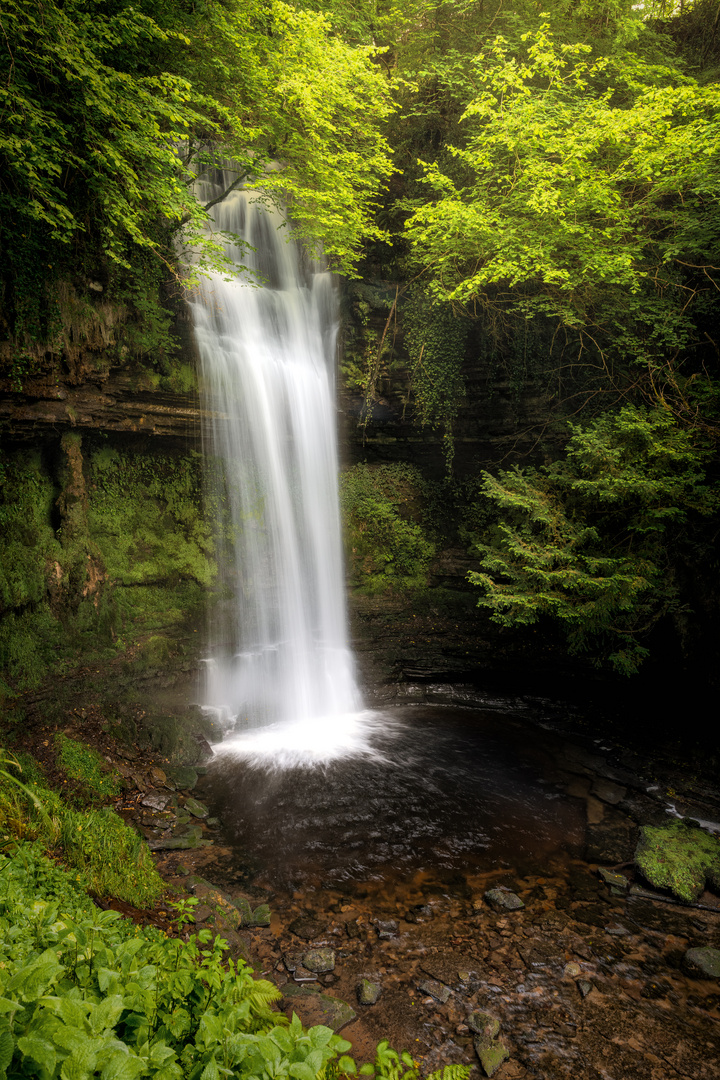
(280, 673)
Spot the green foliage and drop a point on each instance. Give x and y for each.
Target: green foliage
(80, 762)
(85, 993)
(109, 115)
(584, 188)
(27, 497)
(680, 858)
(593, 540)
(112, 859)
(435, 336)
(386, 548)
(145, 516)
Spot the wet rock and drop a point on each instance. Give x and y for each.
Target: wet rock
(702, 963)
(612, 840)
(492, 1056)
(158, 776)
(386, 929)
(197, 809)
(572, 970)
(679, 858)
(485, 1027)
(584, 987)
(368, 992)
(303, 975)
(611, 877)
(435, 989)
(316, 1008)
(183, 776)
(212, 822)
(608, 791)
(225, 913)
(353, 929)
(419, 913)
(319, 960)
(155, 800)
(449, 968)
(292, 960)
(183, 842)
(537, 953)
(306, 927)
(501, 899)
(195, 882)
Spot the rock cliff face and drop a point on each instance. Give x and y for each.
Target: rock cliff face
(119, 403)
(107, 547)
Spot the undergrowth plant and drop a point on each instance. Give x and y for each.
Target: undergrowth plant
(80, 762)
(107, 855)
(85, 993)
(386, 547)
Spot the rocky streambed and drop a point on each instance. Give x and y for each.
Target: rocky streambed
(518, 939)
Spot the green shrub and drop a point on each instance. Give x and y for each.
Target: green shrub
(386, 548)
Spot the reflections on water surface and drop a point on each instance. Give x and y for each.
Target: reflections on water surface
(453, 791)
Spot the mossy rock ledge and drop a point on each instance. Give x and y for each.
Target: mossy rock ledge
(680, 857)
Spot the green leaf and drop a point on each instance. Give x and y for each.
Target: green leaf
(39, 1050)
(7, 1045)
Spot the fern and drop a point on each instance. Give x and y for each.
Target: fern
(451, 1072)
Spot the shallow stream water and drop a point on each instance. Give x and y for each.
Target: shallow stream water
(386, 858)
(444, 793)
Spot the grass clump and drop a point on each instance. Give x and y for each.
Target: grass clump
(111, 856)
(679, 857)
(81, 763)
(108, 856)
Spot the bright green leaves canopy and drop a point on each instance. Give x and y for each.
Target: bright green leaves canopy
(102, 105)
(324, 114)
(587, 540)
(582, 182)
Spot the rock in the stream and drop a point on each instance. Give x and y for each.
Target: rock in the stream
(368, 992)
(702, 963)
(319, 960)
(608, 791)
(492, 1056)
(155, 800)
(188, 840)
(386, 928)
(434, 989)
(584, 987)
(485, 1026)
(315, 1008)
(572, 970)
(183, 776)
(197, 809)
(306, 927)
(612, 878)
(501, 899)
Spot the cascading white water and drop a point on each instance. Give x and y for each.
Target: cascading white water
(281, 674)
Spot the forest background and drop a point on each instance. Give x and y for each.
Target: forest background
(537, 182)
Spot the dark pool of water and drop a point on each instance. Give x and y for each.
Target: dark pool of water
(460, 792)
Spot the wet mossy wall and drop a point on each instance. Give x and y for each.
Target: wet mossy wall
(106, 554)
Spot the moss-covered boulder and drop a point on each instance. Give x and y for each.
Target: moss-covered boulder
(680, 858)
